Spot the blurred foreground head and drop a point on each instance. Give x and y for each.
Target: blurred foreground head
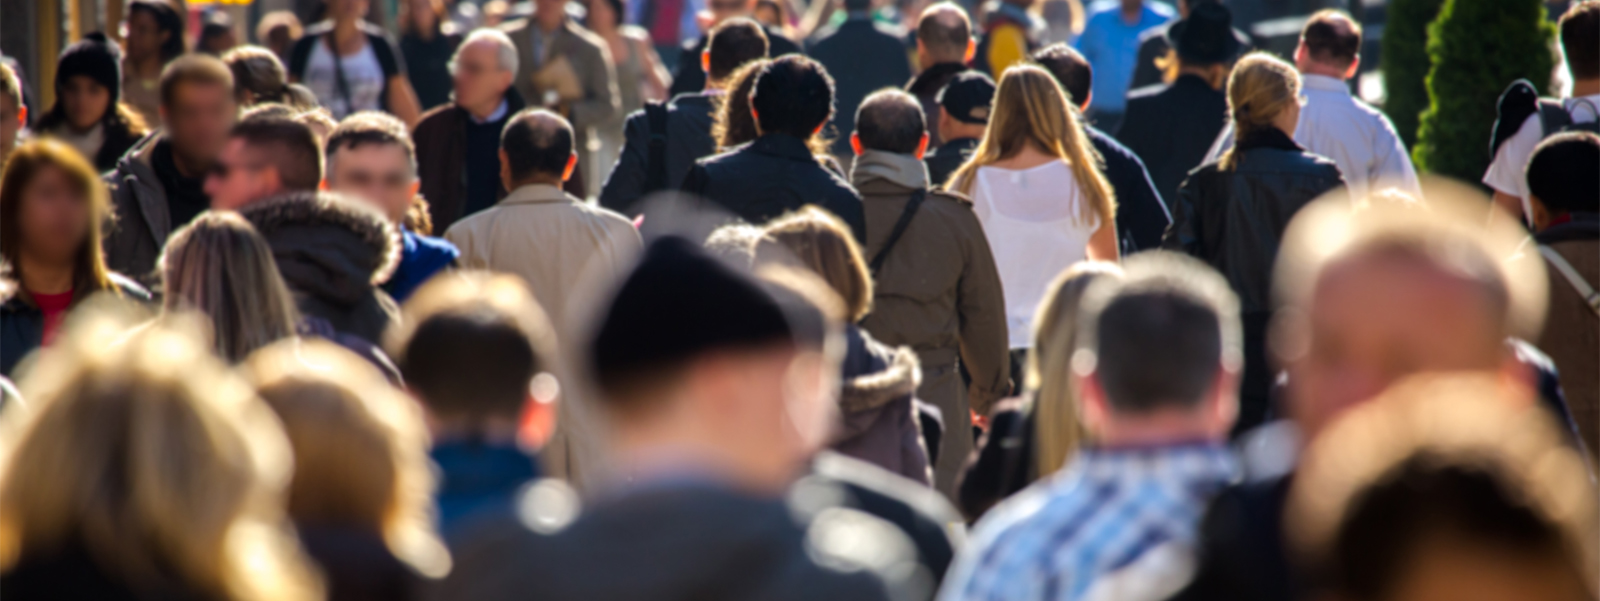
(1441, 489)
(1370, 293)
(147, 462)
(734, 373)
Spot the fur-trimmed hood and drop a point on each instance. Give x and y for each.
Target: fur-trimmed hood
(327, 245)
(897, 378)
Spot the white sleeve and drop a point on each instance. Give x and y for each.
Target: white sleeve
(1506, 172)
(1392, 166)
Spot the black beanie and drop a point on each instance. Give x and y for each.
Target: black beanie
(679, 302)
(95, 57)
(1562, 172)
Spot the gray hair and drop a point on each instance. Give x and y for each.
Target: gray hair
(506, 55)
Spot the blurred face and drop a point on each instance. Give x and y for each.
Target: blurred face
(198, 117)
(768, 15)
(550, 11)
(144, 36)
(601, 16)
(722, 10)
(347, 10)
(54, 217)
(85, 101)
(479, 80)
(220, 42)
(421, 13)
(239, 177)
(1374, 321)
(1442, 570)
(377, 173)
(768, 409)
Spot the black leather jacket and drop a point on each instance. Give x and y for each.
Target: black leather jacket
(772, 175)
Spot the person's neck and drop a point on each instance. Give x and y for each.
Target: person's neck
(44, 277)
(344, 31)
(537, 181)
(1132, 10)
(190, 167)
(1162, 427)
(145, 68)
(549, 23)
(1323, 70)
(491, 430)
(1585, 87)
(665, 450)
(482, 111)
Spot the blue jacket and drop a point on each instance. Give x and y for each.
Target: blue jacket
(420, 257)
(478, 480)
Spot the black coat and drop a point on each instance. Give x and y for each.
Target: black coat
(22, 324)
(1141, 216)
(943, 161)
(917, 510)
(1153, 45)
(73, 573)
(773, 175)
(357, 565)
(926, 86)
(689, 120)
(428, 65)
(1241, 554)
(688, 77)
(1172, 128)
(863, 57)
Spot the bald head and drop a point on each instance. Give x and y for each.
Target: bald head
(1330, 44)
(944, 34)
(891, 121)
(536, 147)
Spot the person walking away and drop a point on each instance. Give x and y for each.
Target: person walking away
(1110, 41)
(1010, 32)
(219, 267)
(646, 165)
(792, 99)
(687, 76)
(87, 114)
(1232, 213)
(568, 70)
(458, 144)
(935, 287)
(1565, 196)
(51, 210)
(944, 47)
(863, 56)
(1158, 399)
(965, 105)
(265, 155)
(154, 38)
(1172, 126)
(1142, 217)
(258, 78)
(160, 184)
(1155, 60)
(1524, 118)
(427, 41)
(352, 66)
(1035, 188)
(1335, 124)
(640, 79)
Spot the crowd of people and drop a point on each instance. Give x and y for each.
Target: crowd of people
(916, 302)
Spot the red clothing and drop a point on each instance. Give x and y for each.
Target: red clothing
(54, 308)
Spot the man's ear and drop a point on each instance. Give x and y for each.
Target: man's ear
(1354, 65)
(972, 50)
(922, 147)
(1092, 407)
(705, 62)
(855, 142)
(323, 185)
(572, 163)
(1086, 101)
(22, 115)
(1222, 408)
(416, 184)
(505, 170)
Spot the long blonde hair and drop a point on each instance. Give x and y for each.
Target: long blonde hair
(220, 267)
(1261, 87)
(820, 242)
(1030, 108)
(362, 447)
(154, 458)
(1058, 432)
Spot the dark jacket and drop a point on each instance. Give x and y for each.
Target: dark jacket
(389, 57)
(1241, 553)
(1141, 216)
(73, 573)
(863, 56)
(1172, 127)
(1234, 220)
(420, 258)
(22, 324)
(142, 218)
(688, 77)
(441, 141)
(877, 417)
(428, 66)
(770, 176)
(918, 511)
(331, 252)
(925, 86)
(1003, 462)
(944, 160)
(688, 138)
(1153, 45)
(1572, 331)
(357, 564)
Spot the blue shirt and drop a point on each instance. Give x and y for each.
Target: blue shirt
(1111, 46)
(478, 480)
(420, 257)
(1111, 521)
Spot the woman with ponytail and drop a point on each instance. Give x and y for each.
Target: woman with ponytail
(1232, 213)
(259, 77)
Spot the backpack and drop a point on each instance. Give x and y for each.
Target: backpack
(1521, 100)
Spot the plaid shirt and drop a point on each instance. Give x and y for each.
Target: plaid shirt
(1114, 524)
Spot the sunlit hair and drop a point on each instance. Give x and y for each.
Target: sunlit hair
(735, 124)
(1261, 87)
(150, 455)
(1058, 431)
(258, 74)
(220, 267)
(820, 242)
(1031, 109)
(24, 164)
(361, 447)
(1454, 458)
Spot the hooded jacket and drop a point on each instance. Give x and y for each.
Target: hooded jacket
(332, 253)
(878, 422)
(143, 219)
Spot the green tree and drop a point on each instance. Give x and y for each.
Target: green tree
(1405, 64)
(1478, 48)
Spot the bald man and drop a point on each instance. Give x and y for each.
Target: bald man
(944, 45)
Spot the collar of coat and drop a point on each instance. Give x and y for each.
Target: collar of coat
(931, 79)
(1268, 137)
(903, 169)
(536, 194)
(782, 145)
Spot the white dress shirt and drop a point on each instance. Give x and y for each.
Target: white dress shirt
(1357, 137)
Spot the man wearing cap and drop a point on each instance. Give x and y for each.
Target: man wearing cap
(963, 117)
(716, 388)
(1172, 126)
(935, 285)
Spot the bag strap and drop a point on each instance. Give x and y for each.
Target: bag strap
(656, 171)
(1582, 287)
(338, 76)
(899, 228)
(1553, 117)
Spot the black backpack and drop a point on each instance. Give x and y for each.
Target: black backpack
(1521, 100)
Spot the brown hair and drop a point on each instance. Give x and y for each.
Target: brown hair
(194, 68)
(26, 162)
(289, 145)
(1332, 37)
(1580, 35)
(1262, 86)
(258, 72)
(219, 266)
(735, 124)
(371, 127)
(818, 241)
(734, 43)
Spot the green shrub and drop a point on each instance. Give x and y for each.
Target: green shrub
(1478, 48)
(1405, 64)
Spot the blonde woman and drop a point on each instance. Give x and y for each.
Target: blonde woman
(220, 267)
(145, 470)
(360, 496)
(1232, 213)
(1036, 185)
(1033, 435)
